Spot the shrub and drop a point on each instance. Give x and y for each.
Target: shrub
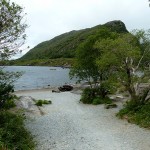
(41, 102)
(100, 100)
(13, 134)
(47, 102)
(104, 89)
(5, 93)
(9, 103)
(94, 96)
(96, 101)
(87, 96)
(138, 114)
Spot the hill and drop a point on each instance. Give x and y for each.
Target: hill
(65, 45)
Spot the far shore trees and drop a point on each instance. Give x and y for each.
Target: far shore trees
(12, 37)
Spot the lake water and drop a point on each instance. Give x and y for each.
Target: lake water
(40, 77)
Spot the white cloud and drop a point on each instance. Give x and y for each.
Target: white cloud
(49, 18)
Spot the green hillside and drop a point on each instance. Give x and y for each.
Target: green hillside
(64, 46)
(60, 51)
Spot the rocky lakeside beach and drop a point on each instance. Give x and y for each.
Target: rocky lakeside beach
(67, 124)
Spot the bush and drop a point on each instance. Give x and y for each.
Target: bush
(41, 102)
(96, 101)
(87, 96)
(104, 89)
(100, 100)
(13, 134)
(5, 93)
(94, 96)
(138, 114)
(9, 104)
(47, 102)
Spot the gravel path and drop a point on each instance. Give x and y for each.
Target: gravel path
(70, 125)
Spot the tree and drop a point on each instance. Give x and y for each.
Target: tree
(143, 37)
(12, 36)
(12, 28)
(122, 57)
(85, 68)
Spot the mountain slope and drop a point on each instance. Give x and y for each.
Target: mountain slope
(64, 45)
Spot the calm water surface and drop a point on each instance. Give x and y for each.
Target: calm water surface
(40, 77)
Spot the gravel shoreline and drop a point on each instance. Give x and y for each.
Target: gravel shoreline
(70, 125)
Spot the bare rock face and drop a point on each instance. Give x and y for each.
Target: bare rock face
(117, 25)
(65, 88)
(27, 103)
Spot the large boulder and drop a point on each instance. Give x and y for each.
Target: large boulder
(65, 88)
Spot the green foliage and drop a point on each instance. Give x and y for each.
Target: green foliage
(47, 102)
(5, 95)
(43, 62)
(85, 67)
(100, 100)
(135, 113)
(7, 88)
(11, 28)
(97, 101)
(87, 96)
(65, 45)
(143, 37)
(94, 96)
(13, 134)
(41, 102)
(122, 57)
(9, 103)
(11, 38)
(116, 51)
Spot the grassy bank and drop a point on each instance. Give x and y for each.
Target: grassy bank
(13, 135)
(139, 115)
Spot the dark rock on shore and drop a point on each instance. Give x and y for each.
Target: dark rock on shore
(65, 88)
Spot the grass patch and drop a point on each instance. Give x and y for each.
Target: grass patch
(41, 102)
(13, 134)
(139, 115)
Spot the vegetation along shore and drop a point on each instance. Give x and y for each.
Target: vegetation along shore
(112, 63)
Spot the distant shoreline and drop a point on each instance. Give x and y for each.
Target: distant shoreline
(77, 88)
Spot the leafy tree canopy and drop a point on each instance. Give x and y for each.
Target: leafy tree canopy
(12, 36)
(12, 28)
(122, 57)
(85, 67)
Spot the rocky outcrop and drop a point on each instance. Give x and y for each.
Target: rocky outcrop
(116, 25)
(27, 104)
(65, 88)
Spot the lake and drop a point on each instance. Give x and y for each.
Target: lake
(35, 77)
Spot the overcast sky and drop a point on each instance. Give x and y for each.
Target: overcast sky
(49, 18)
